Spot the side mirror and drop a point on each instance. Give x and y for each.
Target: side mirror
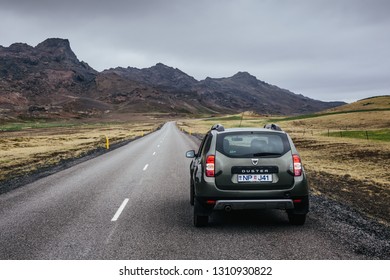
(190, 154)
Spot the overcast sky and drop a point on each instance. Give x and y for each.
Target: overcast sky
(327, 50)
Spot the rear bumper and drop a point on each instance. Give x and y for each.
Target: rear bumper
(284, 204)
(207, 189)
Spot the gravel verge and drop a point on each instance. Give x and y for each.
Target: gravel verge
(361, 234)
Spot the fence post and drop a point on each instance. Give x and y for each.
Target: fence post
(242, 116)
(367, 134)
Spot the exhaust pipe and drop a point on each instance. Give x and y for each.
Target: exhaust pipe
(228, 208)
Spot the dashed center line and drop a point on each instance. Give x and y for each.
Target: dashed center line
(118, 213)
(154, 153)
(146, 167)
(158, 146)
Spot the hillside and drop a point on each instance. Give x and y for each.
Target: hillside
(241, 92)
(246, 92)
(367, 104)
(48, 81)
(367, 114)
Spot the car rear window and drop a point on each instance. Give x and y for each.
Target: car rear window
(252, 144)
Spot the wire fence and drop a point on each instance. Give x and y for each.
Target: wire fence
(382, 135)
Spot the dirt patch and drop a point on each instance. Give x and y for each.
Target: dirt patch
(362, 160)
(365, 196)
(353, 172)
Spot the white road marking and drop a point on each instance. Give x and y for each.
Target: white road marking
(146, 167)
(118, 213)
(154, 153)
(158, 146)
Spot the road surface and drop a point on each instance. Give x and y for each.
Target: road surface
(133, 203)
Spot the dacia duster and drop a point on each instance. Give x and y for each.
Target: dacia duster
(247, 168)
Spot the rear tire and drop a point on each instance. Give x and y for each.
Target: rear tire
(192, 195)
(201, 219)
(296, 219)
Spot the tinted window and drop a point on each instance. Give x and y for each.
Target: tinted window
(205, 146)
(252, 144)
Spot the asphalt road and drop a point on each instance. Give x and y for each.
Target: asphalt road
(133, 203)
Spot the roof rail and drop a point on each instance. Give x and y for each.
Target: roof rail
(273, 126)
(218, 127)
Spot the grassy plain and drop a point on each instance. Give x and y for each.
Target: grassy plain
(29, 146)
(352, 169)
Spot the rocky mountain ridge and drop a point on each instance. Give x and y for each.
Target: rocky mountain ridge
(49, 81)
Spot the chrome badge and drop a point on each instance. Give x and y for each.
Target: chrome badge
(255, 161)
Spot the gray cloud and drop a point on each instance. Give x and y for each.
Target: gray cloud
(322, 49)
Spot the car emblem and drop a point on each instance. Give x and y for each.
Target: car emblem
(255, 161)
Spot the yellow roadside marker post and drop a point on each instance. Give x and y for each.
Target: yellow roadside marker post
(107, 143)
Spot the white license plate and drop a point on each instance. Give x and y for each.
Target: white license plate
(254, 178)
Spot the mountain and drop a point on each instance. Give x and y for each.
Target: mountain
(49, 81)
(241, 92)
(246, 92)
(126, 95)
(159, 75)
(47, 78)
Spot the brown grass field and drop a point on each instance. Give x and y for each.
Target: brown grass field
(26, 150)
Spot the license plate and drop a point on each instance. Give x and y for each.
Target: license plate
(254, 178)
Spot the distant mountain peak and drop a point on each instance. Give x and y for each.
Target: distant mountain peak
(243, 74)
(162, 68)
(54, 43)
(20, 47)
(157, 75)
(57, 46)
(245, 78)
(165, 68)
(159, 64)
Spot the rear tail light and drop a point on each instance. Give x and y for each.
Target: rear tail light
(210, 202)
(210, 166)
(297, 165)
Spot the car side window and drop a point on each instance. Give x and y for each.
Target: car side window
(206, 142)
(201, 145)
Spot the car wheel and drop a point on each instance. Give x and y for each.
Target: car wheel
(297, 219)
(200, 219)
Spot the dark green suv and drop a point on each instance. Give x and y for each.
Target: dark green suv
(247, 168)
